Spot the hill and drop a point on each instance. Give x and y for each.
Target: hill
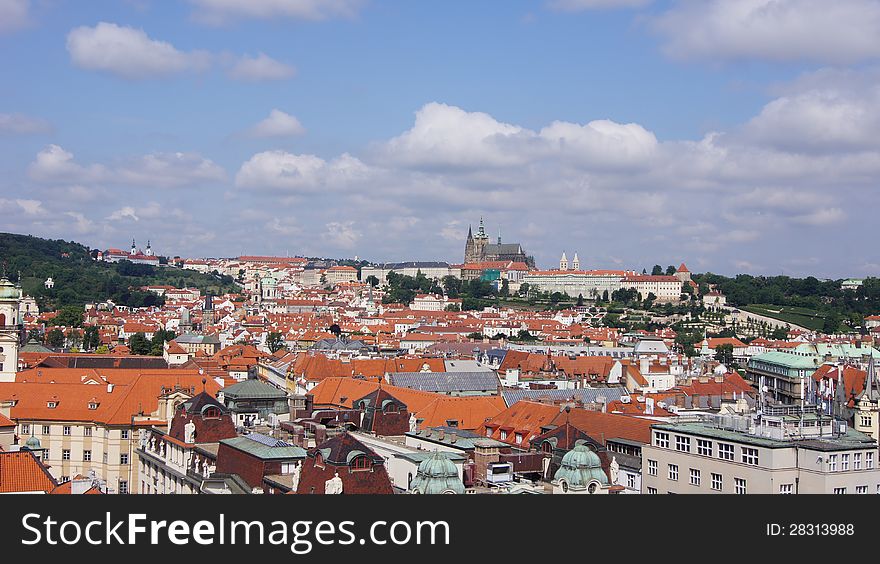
(80, 279)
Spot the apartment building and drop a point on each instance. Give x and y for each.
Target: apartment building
(783, 451)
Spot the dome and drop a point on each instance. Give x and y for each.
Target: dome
(579, 467)
(269, 281)
(33, 443)
(437, 475)
(8, 290)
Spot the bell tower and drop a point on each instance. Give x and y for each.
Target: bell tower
(10, 298)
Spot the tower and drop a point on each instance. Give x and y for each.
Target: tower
(149, 251)
(576, 262)
(563, 262)
(133, 248)
(867, 415)
(10, 334)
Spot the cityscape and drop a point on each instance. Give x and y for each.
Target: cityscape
(341, 247)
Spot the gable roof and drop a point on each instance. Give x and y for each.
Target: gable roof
(21, 472)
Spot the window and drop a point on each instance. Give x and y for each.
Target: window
(93, 405)
(123, 487)
(25, 429)
(861, 489)
(503, 435)
(104, 460)
(360, 463)
(832, 463)
(547, 447)
(844, 462)
(840, 491)
(750, 456)
(857, 461)
(87, 431)
(631, 481)
(739, 486)
(518, 437)
(45, 429)
(652, 491)
(661, 440)
(652, 468)
(124, 434)
(682, 443)
(717, 482)
(51, 404)
(786, 489)
(725, 451)
(64, 479)
(704, 448)
(123, 458)
(673, 472)
(65, 454)
(866, 421)
(87, 456)
(869, 461)
(488, 431)
(695, 477)
(67, 430)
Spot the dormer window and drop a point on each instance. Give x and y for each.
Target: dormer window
(52, 404)
(361, 463)
(212, 412)
(93, 405)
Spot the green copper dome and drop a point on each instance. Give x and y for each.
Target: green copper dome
(33, 443)
(437, 475)
(579, 467)
(8, 290)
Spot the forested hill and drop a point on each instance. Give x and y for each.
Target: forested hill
(80, 279)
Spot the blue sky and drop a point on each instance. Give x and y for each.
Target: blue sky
(736, 136)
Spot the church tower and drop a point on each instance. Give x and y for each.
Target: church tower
(576, 262)
(563, 262)
(149, 251)
(10, 334)
(867, 415)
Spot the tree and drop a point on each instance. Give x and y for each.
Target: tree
(103, 349)
(139, 344)
(160, 337)
(780, 333)
(335, 329)
(605, 296)
(524, 335)
(523, 289)
(724, 354)
(453, 307)
(505, 288)
(275, 342)
(55, 338)
(670, 270)
(372, 281)
(475, 336)
(69, 316)
(91, 338)
(34, 334)
(580, 301)
(657, 270)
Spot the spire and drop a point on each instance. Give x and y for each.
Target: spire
(871, 392)
(499, 234)
(470, 233)
(481, 232)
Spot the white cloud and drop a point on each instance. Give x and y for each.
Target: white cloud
(224, 11)
(839, 31)
(580, 5)
(126, 212)
(130, 53)
(54, 165)
(278, 124)
(284, 171)
(13, 15)
(261, 68)
(342, 235)
(21, 124)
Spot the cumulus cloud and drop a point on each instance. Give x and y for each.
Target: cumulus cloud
(224, 11)
(278, 124)
(54, 165)
(280, 170)
(342, 235)
(130, 53)
(260, 68)
(14, 15)
(839, 32)
(19, 124)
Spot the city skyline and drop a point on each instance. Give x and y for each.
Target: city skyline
(384, 129)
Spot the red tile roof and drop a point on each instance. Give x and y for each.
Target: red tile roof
(21, 472)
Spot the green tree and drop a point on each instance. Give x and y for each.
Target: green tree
(372, 281)
(523, 289)
(670, 270)
(657, 270)
(505, 288)
(453, 307)
(69, 316)
(55, 338)
(724, 354)
(91, 338)
(139, 344)
(335, 329)
(580, 300)
(275, 342)
(160, 337)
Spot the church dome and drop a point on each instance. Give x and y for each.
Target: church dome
(437, 475)
(8, 290)
(579, 467)
(33, 443)
(269, 281)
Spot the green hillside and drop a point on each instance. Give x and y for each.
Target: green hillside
(80, 279)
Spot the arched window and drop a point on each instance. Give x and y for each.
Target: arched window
(546, 447)
(361, 463)
(212, 412)
(2, 319)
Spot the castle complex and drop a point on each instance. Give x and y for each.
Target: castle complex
(478, 249)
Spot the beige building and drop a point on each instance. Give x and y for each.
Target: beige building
(782, 453)
(341, 274)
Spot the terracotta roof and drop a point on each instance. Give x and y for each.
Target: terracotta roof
(21, 472)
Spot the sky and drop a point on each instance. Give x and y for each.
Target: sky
(737, 136)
